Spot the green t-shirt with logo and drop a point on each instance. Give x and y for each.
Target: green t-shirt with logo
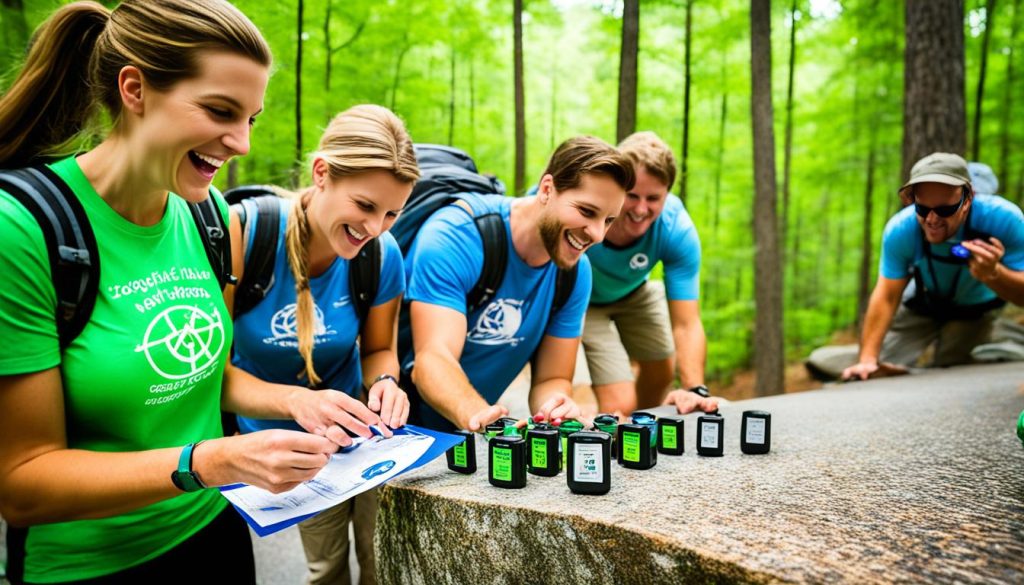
(145, 373)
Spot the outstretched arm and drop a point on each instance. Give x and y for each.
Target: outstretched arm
(439, 335)
(885, 299)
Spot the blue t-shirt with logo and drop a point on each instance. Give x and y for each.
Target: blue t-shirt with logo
(903, 249)
(672, 239)
(266, 344)
(443, 264)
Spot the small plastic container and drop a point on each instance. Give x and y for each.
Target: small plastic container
(756, 432)
(589, 468)
(507, 457)
(710, 430)
(462, 457)
(670, 435)
(545, 450)
(636, 446)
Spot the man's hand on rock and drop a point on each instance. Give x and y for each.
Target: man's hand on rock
(484, 417)
(860, 371)
(687, 402)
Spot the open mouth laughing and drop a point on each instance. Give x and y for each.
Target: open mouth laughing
(205, 164)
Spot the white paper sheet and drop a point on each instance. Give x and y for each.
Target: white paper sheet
(347, 474)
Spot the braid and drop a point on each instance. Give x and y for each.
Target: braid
(297, 235)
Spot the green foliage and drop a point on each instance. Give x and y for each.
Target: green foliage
(847, 100)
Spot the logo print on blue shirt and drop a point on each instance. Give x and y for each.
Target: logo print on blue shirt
(284, 327)
(639, 261)
(498, 324)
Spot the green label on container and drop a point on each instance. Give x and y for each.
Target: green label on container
(668, 436)
(564, 449)
(460, 455)
(501, 464)
(538, 453)
(631, 447)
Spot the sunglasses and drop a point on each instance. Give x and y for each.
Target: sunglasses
(941, 210)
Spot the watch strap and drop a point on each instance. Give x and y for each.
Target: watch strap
(184, 478)
(700, 389)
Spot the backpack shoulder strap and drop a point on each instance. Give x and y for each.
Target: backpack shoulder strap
(565, 282)
(492, 232)
(70, 243)
(258, 277)
(216, 238)
(364, 278)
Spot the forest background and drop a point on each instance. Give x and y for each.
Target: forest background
(448, 68)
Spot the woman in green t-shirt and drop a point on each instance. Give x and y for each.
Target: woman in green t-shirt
(94, 479)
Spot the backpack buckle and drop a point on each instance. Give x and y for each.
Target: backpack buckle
(71, 255)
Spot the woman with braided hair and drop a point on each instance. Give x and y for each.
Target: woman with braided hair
(306, 328)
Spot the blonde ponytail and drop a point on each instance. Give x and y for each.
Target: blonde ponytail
(296, 240)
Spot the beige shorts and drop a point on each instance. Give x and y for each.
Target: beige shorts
(635, 327)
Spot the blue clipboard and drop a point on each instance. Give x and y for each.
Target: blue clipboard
(442, 442)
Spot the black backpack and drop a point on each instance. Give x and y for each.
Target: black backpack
(71, 244)
(446, 172)
(258, 277)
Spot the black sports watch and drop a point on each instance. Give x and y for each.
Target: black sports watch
(184, 478)
(700, 389)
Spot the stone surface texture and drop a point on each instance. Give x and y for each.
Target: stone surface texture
(911, 479)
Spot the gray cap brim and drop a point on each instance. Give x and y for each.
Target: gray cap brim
(936, 178)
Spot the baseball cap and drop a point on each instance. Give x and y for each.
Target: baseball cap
(940, 167)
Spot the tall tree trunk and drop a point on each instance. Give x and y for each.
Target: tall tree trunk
(864, 277)
(768, 344)
(788, 149)
(517, 23)
(1004, 136)
(451, 101)
(627, 69)
(396, 76)
(298, 94)
(990, 6)
(472, 104)
(720, 154)
(553, 106)
(331, 50)
(683, 165)
(232, 173)
(328, 66)
(933, 81)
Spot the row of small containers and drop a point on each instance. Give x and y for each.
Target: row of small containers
(586, 454)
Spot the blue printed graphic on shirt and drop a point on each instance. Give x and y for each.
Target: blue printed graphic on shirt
(442, 266)
(902, 249)
(266, 343)
(671, 239)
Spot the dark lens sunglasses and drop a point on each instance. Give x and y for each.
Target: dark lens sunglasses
(942, 210)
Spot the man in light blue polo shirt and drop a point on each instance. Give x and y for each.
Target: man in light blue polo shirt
(964, 253)
(628, 315)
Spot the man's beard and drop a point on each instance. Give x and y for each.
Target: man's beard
(551, 234)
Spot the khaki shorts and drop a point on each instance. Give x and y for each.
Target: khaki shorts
(325, 541)
(635, 327)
